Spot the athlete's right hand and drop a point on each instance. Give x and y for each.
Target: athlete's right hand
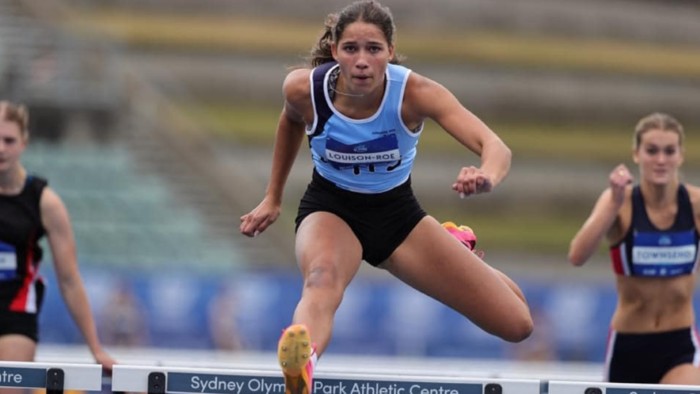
(619, 178)
(260, 218)
(472, 180)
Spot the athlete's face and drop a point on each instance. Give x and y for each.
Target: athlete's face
(363, 54)
(659, 156)
(12, 145)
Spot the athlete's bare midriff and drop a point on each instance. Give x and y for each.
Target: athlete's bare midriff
(649, 305)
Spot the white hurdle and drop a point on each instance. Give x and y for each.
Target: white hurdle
(54, 377)
(161, 380)
(566, 387)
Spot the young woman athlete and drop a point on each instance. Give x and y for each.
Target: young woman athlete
(652, 231)
(30, 210)
(363, 115)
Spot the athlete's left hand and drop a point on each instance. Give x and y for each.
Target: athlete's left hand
(472, 180)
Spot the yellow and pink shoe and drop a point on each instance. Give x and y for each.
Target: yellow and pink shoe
(463, 233)
(297, 355)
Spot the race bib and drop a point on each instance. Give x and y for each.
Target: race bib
(382, 150)
(664, 254)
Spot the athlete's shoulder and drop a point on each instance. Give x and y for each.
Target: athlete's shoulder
(421, 85)
(297, 74)
(694, 196)
(693, 191)
(426, 98)
(398, 68)
(296, 84)
(50, 199)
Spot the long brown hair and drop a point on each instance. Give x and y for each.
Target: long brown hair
(368, 11)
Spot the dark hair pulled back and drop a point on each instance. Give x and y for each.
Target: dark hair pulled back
(368, 11)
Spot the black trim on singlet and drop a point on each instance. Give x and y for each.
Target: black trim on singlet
(684, 218)
(322, 110)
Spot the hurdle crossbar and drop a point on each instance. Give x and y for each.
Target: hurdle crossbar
(571, 387)
(161, 380)
(54, 377)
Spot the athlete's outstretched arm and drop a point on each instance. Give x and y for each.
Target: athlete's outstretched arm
(290, 133)
(428, 99)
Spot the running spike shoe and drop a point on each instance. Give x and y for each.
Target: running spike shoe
(294, 353)
(463, 233)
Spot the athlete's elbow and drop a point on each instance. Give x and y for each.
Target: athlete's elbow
(576, 258)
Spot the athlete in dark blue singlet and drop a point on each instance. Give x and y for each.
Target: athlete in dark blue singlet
(652, 229)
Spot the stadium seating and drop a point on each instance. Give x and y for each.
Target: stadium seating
(123, 216)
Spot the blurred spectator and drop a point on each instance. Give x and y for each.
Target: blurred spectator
(222, 320)
(540, 345)
(123, 320)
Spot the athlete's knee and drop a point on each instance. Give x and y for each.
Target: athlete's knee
(324, 278)
(518, 329)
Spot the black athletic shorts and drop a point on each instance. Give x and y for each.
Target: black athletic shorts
(19, 323)
(646, 358)
(381, 222)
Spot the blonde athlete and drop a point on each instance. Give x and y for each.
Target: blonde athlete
(29, 209)
(652, 230)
